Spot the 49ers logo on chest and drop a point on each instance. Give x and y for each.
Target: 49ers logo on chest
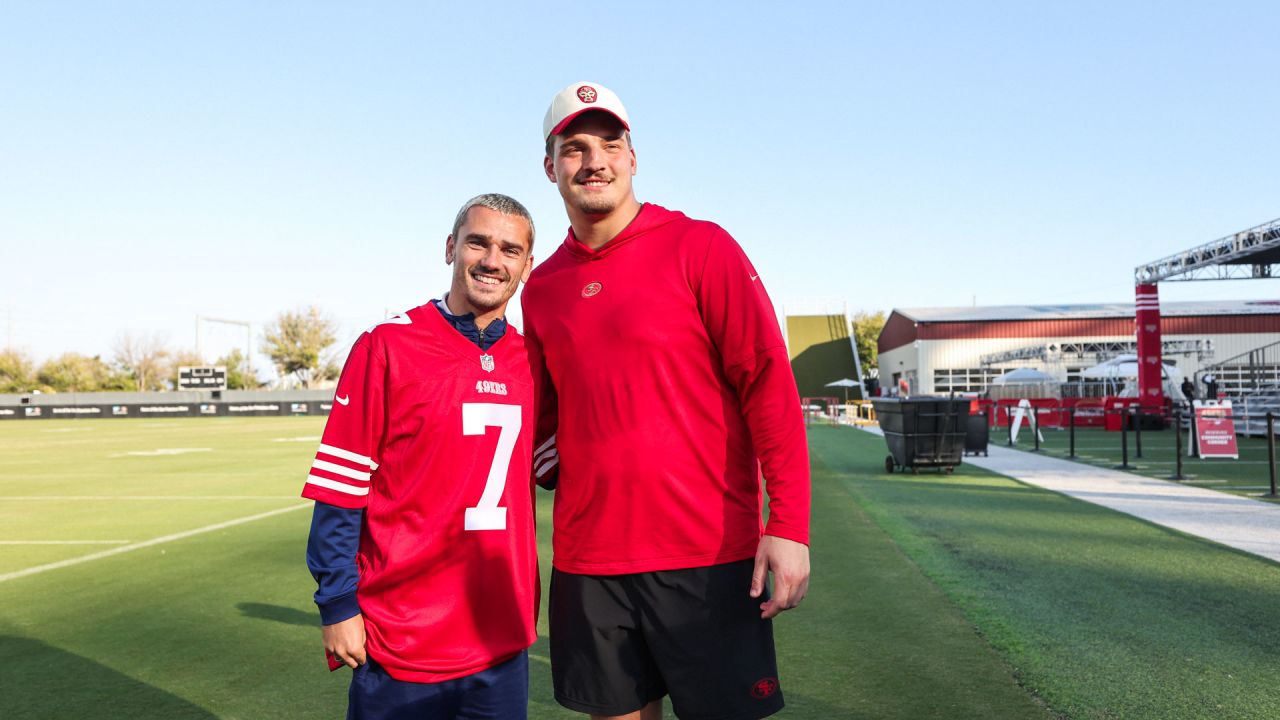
(591, 289)
(491, 388)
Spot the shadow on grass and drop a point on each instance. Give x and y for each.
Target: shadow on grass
(280, 614)
(47, 682)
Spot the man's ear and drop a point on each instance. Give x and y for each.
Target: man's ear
(528, 268)
(448, 250)
(549, 167)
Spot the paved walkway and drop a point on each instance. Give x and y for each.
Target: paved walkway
(1239, 522)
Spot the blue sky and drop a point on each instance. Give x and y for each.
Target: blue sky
(164, 160)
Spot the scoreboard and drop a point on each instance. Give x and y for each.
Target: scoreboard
(202, 377)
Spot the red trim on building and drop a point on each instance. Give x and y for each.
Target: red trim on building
(1025, 329)
(898, 330)
(1092, 327)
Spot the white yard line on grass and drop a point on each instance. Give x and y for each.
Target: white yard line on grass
(65, 542)
(148, 543)
(162, 452)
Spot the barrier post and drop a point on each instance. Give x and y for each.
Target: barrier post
(1008, 415)
(1035, 432)
(1124, 439)
(1271, 450)
(1137, 432)
(1177, 446)
(1072, 422)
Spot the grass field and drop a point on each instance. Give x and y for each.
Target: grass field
(969, 596)
(1249, 475)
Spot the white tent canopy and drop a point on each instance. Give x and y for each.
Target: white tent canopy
(1123, 371)
(1025, 376)
(1025, 383)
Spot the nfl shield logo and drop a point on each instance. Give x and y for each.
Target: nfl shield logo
(486, 362)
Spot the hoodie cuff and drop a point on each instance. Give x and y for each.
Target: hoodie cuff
(343, 607)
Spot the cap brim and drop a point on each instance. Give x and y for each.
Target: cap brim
(559, 128)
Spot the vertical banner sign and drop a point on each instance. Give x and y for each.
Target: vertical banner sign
(1147, 326)
(1215, 430)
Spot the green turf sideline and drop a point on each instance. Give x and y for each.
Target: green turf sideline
(875, 638)
(1103, 616)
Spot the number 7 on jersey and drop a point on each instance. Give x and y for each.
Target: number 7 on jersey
(486, 515)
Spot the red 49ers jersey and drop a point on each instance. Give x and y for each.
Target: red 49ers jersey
(433, 438)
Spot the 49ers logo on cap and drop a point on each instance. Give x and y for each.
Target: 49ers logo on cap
(591, 289)
(587, 94)
(764, 687)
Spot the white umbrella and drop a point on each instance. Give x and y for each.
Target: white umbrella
(845, 383)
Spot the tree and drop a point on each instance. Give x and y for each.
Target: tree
(143, 359)
(330, 371)
(295, 340)
(73, 372)
(17, 372)
(866, 333)
(239, 375)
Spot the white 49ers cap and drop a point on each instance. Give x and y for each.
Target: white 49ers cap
(578, 98)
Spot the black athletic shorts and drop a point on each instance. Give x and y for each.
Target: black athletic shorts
(619, 642)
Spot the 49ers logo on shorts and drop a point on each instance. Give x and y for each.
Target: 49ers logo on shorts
(587, 94)
(764, 687)
(591, 289)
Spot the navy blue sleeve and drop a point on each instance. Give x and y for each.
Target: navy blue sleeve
(331, 556)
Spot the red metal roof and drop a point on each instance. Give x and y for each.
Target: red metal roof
(901, 330)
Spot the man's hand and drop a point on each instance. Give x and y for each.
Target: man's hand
(345, 641)
(788, 560)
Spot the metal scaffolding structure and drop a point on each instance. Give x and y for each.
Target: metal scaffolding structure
(1097, 351)
(1252, 253)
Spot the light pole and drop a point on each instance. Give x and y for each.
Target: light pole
(248, 338)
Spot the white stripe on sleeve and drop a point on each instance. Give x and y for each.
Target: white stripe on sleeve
(547, 467)
(342, 470)
(348, 455)
(550, 442)
(335, 485)
(544, 456)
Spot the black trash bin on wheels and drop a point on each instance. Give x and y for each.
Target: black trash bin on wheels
(922, 431)
(977, 434)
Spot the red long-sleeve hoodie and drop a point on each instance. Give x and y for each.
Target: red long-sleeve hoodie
(666, 390)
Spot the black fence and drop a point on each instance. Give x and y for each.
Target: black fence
(1133, 421)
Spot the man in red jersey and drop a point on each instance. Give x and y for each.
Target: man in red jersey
(422, 540)
(665, 389)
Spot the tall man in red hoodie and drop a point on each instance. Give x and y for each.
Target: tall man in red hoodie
(667, 389)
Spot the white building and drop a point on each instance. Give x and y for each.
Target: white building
(943, 350)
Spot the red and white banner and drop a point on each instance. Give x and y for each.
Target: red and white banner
(1146, 319)
(1215, 430)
